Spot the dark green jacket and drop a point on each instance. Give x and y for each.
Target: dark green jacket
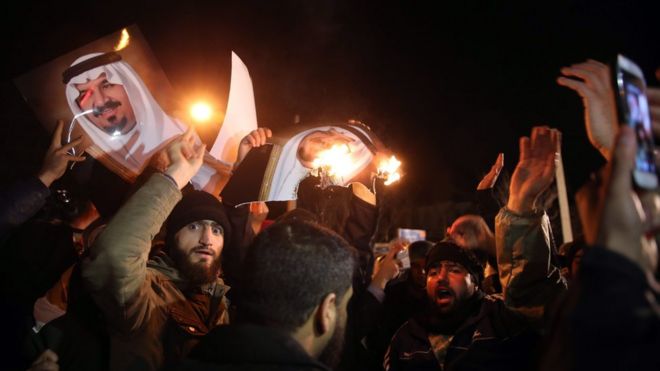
(154, 317)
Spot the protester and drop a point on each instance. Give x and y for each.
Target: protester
(465, 329)
(404, 297)
(472, 232)
(292, 310)
(158, 308)
(33, 254)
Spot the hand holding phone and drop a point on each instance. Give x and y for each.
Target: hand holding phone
(633, 110)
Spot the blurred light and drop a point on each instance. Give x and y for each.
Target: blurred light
(388, 170)
(201, 112)
(123, 40)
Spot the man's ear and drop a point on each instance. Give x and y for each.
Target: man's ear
(326, 314)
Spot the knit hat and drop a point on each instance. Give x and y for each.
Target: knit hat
(195, 206)
(473, 260)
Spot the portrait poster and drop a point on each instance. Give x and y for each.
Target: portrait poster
(274, 171)
(114, 94)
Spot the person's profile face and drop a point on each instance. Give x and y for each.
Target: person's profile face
(332, 353)
(417, 273)
(114, 113)
(318, 141)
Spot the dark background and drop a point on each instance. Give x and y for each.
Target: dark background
(447, 87)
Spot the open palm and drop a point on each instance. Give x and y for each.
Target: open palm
(535, 170)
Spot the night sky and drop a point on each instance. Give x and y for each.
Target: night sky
(447, 87)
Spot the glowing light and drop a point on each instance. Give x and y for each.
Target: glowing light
(201, 112)
(336, 161)
(389, 170)
(123, 40)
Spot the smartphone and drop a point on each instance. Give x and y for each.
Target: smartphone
(633, 110)
(404, 259)
(411, 235)
(382, 248)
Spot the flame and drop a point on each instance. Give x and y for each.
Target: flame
(123, 41)
(388, 169)
(201, 112)
(336, 160)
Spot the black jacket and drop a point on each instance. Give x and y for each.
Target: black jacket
(249, 347)
(494, 337)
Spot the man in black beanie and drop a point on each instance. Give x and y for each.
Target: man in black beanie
(196, 230)
(462, 328)
(465, 329)
(158, 308)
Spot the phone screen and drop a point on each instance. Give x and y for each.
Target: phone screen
(634, 111)
(411, 235)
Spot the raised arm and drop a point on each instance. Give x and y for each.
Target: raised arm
(26, 198)
(528, 278)
(593, 82)
(116, 269)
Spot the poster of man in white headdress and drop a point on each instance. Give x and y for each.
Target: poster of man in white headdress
(345, 152)
(114, 93)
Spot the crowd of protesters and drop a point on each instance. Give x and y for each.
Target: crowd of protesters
(170, 278)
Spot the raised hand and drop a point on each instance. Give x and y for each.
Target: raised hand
(388, 268)
(185, 158)
(535, 170)
(256, 138)
(624, 227)
(57, 157)
(258, 214)
(595, 88)
(490, 178)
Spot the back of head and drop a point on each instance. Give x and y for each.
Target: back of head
(298, 214)
(418, 250)
(289, 268)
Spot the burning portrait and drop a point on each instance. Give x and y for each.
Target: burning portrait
(338, 154)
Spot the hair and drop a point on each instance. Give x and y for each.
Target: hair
(298, 214)
(417, 250)
(288, 270)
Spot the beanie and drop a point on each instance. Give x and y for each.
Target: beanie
(473, 260)
(196, 206)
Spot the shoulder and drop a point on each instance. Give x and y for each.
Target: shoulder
(410, 332)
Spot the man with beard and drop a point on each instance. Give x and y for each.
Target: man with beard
(158, 308)
(465, 329)
(127, 125)
(291, 310)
